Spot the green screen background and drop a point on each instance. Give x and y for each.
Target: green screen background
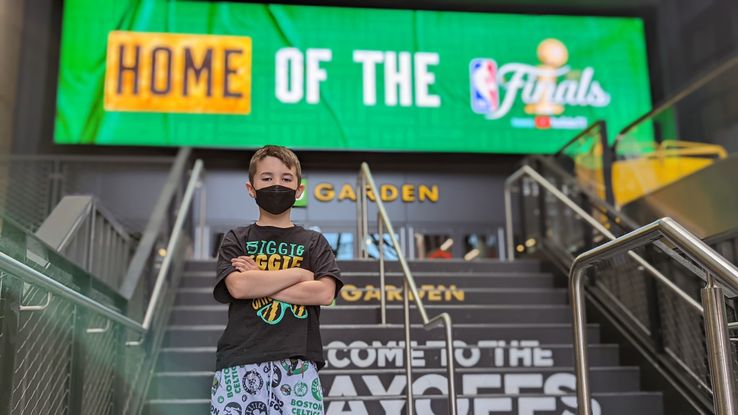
(614, 47)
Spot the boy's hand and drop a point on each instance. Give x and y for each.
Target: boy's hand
(244, 263)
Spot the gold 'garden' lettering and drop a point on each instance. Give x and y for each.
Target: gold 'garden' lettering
(408, 193)
(433, 293)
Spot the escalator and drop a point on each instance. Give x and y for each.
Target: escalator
(677, 160)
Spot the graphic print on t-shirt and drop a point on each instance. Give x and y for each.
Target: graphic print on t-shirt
(272, 256)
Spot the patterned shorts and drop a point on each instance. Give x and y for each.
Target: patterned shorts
(283, 387)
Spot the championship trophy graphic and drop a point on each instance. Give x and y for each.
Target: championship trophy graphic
(553, 55)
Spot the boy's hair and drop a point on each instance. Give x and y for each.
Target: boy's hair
(284, 154)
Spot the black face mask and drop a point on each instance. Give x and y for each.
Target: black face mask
(275, 199)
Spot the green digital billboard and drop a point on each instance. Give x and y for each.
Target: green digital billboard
(240, 75)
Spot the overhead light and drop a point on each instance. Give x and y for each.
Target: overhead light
(447, 244)
(162, 252)
(530, 243)
(471, 254)
(520, 248)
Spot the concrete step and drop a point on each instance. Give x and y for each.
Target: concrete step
(453, 265)
(208, 335)
(390, 354)
(370, 314)
(462, 281)
(451, 293)
(512, 336)
(630, 403)
(439, 294)
(364, 382)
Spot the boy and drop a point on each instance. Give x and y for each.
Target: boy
(274, 275)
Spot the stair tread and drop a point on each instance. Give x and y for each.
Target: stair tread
(196, 327)
(208, 307)
(209, 290)
(367, 371)
(487, 274)
(498, 288)
(213, 349)
(481, 395)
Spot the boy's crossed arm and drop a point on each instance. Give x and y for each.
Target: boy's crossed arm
(292, 285)
(313, 292)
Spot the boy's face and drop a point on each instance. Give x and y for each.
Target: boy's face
(272, 171)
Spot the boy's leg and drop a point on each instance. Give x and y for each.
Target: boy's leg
(240, 390)
(298, 388)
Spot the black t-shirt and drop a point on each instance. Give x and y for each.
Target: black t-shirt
(264, 329)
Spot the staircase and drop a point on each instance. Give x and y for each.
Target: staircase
(512, 334)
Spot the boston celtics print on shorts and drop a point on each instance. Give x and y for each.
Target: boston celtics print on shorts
(284, 387)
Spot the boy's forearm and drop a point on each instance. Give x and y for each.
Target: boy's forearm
(316, 292)
(259, 283)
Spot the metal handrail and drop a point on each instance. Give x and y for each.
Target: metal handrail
(367, 183)
(153, 227)
(620, 218)
(173, 238)
(70, 284)
(16, 268)
(527, 171)
(95, 208)
(592, 198)
(83, 218)
(718, 267)
(23, 271)
(716, 328)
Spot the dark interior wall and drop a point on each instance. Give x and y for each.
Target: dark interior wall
(695, 38)
(39, 62)
(11, 20)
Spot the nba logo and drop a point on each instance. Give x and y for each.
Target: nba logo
(485, 96)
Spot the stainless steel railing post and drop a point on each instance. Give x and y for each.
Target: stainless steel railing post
(408, 351)
(358, 251)
(366, 183)
(382, 291)
(362, 222)
(202, 216)
(508, 218)
(719, 350)
(450, 364)
(576, 290)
